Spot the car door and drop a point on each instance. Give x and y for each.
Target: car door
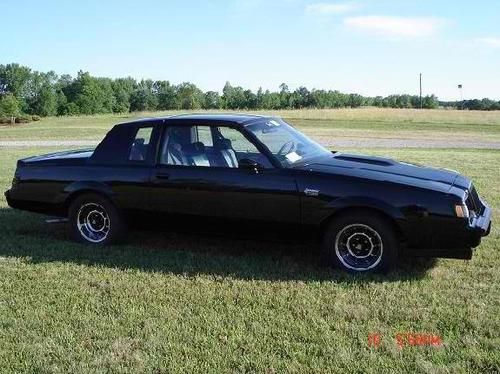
(198, 173)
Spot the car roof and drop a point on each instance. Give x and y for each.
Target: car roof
(209, 117)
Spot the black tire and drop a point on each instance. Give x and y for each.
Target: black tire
(107, 218)
(361, 242)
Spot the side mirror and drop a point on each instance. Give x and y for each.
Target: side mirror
(249, 164)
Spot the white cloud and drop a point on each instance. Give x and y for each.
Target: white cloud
(330, 8)
(493, 42)
(398, 27)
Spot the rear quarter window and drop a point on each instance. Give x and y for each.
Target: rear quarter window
(141, 144)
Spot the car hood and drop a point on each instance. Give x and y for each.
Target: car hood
(388, 170)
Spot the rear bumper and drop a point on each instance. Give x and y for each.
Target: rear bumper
(34, 206)
(10, 201)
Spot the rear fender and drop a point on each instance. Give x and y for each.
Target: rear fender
(77, 188)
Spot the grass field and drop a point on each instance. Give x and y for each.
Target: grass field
(168, 302)
(321, 124)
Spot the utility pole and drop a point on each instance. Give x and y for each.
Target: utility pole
(461, 96)
(420, 90)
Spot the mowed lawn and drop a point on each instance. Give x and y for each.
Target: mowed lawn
(168, 302)
(323, 125)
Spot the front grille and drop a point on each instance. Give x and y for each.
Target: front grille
(473, 202)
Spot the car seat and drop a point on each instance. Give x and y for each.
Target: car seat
(228, 154)
(196, 154)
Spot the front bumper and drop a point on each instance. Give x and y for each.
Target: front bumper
(455, 238)
(480, 226)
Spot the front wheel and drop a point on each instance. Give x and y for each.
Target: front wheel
(94, 220)
(361, 242)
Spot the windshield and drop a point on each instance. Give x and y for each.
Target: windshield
(288, 145)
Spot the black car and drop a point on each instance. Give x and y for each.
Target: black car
(255, 169)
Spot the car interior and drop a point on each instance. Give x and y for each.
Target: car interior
(139, 149)
(204, 146)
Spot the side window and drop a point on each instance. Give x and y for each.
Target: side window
(185, 146)
(207, 146)
(238, 141)
(234, 145)
(140, 145)
(204, 135)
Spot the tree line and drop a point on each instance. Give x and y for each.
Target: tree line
(25, 91)
(474, 104)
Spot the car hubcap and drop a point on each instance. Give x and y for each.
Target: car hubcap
(359, 247)
(93, 222)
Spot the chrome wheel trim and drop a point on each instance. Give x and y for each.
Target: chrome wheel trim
(359, 247)
(354, 237)
(93, 222)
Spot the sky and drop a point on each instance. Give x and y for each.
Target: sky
(371, 47)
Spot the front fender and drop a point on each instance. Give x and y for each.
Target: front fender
(364, 202)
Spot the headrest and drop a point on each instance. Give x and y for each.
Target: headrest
(194, 148)
(226, 144)
(175, 146)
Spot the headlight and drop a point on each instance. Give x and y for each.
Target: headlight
(462, 211)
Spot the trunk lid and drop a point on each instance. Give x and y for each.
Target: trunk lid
(74, 157)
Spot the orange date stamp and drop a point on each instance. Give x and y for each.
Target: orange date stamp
(407, 339)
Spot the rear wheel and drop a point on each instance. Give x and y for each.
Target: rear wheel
(361, 242)
(93, 219)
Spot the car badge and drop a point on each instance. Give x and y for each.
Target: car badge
(311, 192)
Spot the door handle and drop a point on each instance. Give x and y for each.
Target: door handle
(162, 176)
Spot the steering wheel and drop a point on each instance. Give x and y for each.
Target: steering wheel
(289, 147)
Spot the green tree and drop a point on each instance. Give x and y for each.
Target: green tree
(14, 79)
(212, 100)
(284, 96)
(9, 106)
(250, 100)
(301, 98)
(122, 89)
(139, 100)
(106, 96)
(167, 95)
(430, 102)
(86, 94)
(144, 97)
(91, 95)
(41, 94)
(46, 102)
(61, 101)
(46, 94)
(259, 98)
(355, 100)
(378, 101)
(271, 100)
(189, 96)
(233, 97)
(71, 109)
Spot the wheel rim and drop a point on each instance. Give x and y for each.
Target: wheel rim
(93, 222)
(359, 247)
